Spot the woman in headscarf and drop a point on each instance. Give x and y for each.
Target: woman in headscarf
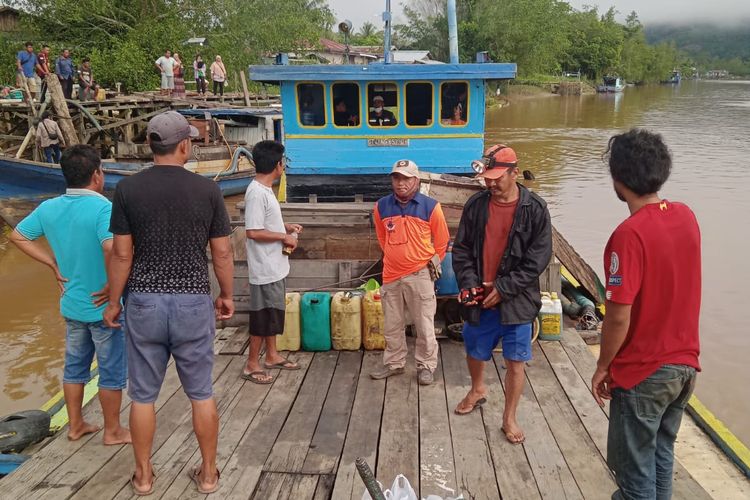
(218, 75)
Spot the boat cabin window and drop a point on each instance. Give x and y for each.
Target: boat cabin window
(311, 104)
(345, 104)
(382, 102)
(419, 104)
(454, 103)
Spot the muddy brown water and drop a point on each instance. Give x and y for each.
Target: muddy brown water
(561, 139)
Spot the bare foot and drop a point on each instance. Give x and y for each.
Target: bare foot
(513, 432)
(120, 436)
(74, 434)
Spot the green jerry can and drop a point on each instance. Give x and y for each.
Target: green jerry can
(316, 321)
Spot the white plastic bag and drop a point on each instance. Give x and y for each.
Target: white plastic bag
(400, 490)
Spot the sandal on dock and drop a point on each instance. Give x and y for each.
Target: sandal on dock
(464, 409)
(254, 378)
(194, 474)
(282, 365)
(142, 493)
(512, 439)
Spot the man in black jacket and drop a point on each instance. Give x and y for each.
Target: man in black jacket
(504, 243)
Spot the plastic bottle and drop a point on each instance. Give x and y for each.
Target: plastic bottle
(287, 250)
(373, 321)
(346, 321)
(290, 340)
(550, 317)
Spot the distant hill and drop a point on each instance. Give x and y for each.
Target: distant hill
(705, 41)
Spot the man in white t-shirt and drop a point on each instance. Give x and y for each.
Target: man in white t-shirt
(165, 64)
(268, 265)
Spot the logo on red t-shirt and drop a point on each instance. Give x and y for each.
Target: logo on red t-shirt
(614, 263)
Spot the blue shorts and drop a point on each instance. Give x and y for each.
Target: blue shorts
(159, 325)
(82, 340)
(480, 340)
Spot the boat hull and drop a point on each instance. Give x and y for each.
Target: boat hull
(22, 179)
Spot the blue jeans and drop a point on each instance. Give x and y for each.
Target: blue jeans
(82, 340)
(643, 425)
(51, 150)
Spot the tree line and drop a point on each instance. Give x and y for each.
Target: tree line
(124, 37)
(543, 37)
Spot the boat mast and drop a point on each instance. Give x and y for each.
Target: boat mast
(387, 33)
(452, 32)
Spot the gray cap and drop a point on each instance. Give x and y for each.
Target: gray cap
(171, 128)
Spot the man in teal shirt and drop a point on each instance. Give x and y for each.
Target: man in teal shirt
(76, 226)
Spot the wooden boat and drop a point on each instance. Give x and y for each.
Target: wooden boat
(611, 84)
(432, 114)
(221, 153)
(30, 179)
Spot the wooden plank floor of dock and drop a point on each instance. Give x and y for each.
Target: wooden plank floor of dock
(298, 438)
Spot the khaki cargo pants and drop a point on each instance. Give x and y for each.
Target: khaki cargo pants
(417, 293)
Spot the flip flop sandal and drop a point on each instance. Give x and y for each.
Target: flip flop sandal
(255, 380)
(282, 365)
(479, 402)
(140, 493)
(194, 474)
(512, 441)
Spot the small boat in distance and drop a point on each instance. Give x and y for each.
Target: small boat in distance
(611, 84)
(674, 79)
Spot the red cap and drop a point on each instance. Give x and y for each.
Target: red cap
(503, 158)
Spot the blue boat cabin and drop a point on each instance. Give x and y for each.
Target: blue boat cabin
(355, 120)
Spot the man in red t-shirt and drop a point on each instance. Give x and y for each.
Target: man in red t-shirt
(650, 345)
(503, 244)
(42, 69)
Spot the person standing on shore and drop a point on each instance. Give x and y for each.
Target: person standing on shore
(165, 64)
(42, 70)
(218, 76)
(503, 245)
(76, 227)
(650, 336)
(268, 264)
(85, 80)
(49, 138)
(64, 70)
(413, 235)
(25, 68)
(163, 218)
(179, 79)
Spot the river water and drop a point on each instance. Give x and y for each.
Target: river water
(561, 139)
(707, 127)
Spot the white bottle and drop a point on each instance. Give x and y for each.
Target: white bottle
(550, 317)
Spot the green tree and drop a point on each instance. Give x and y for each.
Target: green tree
(595, 43)
(124, 37)
(531, 33)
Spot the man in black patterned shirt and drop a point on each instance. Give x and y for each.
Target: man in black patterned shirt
(162, 220)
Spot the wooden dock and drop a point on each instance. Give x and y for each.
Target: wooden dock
(298, 438)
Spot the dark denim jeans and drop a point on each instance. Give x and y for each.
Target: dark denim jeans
(643, 425)
(52, 153)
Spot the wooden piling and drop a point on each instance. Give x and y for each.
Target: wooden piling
(56, 96)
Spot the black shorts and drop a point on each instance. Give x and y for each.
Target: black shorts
(266, 322)
(267, 309)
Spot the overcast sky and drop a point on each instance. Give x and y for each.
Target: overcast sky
(359, 11)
